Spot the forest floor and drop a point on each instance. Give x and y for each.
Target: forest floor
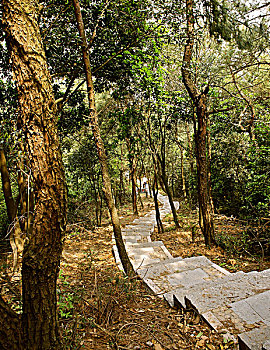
(100, 308)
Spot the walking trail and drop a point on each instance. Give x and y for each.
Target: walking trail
(236, 305)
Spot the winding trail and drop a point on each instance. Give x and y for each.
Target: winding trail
(234, 304)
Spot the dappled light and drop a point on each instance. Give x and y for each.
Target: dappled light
(135, 175)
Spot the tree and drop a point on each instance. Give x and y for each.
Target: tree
(199, 100)
(37, 327)
(100, 146)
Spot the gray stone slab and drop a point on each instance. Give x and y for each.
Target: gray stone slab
(145, 221)
(151, 252)
(256, 339)
(158, 268)
(146, 245)
(138, 229)
(178, 274)
(227, 289)
(176, 297)
(142, 261)
(134, 239)
(141, 224)
(241, 317)
(230, 303)
(130, 232)
(266, 345)
(186, 278)
(142, 254)
(254, 309)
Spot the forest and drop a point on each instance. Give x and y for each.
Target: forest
(96, 98)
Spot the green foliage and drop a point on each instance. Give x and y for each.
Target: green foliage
(234, 245)
(237, 21)
(240, 172)
(257, 187)
(66, 298)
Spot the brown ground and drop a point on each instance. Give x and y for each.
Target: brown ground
(109, 311)
(101, 309)
(229, 232)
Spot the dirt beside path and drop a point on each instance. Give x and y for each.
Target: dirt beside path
(188, 241)
(102, 309)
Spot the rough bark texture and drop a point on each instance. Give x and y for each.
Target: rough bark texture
(169, 194)
(164, 180)
(199, 100)
(133, 186)
(37, 120)
(10, 328)
(182, 172)
(100, 146)
(6, 186)
(158, 219)
(155, 195)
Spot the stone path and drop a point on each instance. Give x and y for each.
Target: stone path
(236, 305)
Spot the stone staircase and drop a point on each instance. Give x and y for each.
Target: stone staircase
(236, 305)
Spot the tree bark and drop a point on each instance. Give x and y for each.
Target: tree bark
(182, 172)
(6, 186)
(199, 100)
(132, 167)
(128, 268)
(10, 328)
(155, 193)
(37, 121)
(168, 190)
(190, 152)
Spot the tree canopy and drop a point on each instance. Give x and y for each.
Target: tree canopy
(95, 98)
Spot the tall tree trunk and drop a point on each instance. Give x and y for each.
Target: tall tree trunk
(182, 172)
(132, 169)
(37, 326)
(155, 193)
(190, 152)
(209, 152)
(199, 100)
(164, 180)
(121, 178)
(182, 168)
(133, 187)
(128, 268)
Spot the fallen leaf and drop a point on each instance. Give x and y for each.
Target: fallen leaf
(157, 346)
(201, 342)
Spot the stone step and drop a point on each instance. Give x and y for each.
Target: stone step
(155, 269)
(138, 228)
(256, 339)
(146, 245)
(141, 221)
(129, 232)
(234, 304)
(142, 254)
(179, 273)
(266, 345)
(242, 317)
(134, 239)
(227, 290)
